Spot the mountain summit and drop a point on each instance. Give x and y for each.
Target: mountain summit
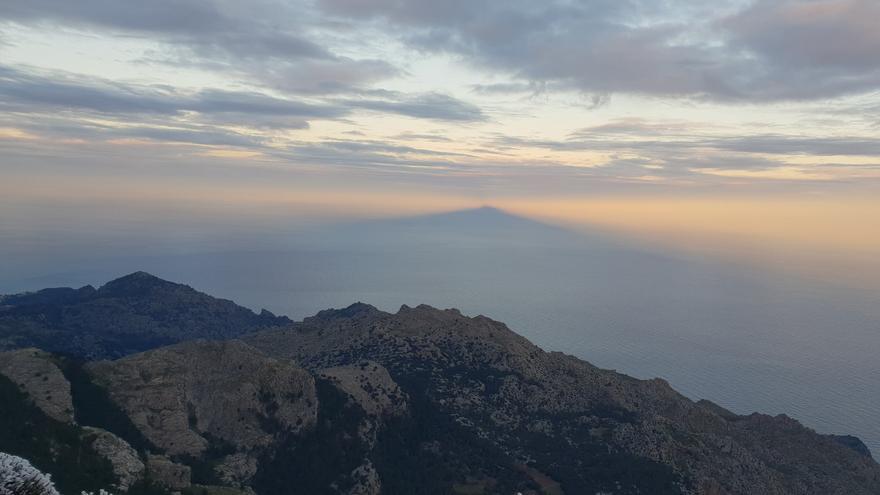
(136, 284)
(130, 314)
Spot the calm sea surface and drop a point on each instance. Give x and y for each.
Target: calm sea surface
(746, 338)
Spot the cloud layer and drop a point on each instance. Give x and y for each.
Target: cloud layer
(770, 50)
(632, 91)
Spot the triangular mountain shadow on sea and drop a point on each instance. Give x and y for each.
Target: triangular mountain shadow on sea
(459, 228)
(483, 219)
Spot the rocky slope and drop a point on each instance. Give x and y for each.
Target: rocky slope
(360, 401)
(586, 429)
(180, 396)
(131, 314)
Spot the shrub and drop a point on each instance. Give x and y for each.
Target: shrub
(19, 477)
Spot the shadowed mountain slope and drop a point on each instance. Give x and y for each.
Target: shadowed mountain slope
(130, 314)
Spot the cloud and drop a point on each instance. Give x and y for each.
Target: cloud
(683, 150)
(204, 136)
(336, 76)
(767, 50)
(63, 106)
(809, 49)
(267, 42)
(279, 65)
(211, 25)
(31, 90)
(770, 51)
(793, 145)
(640, 128)
(433, 106)
(28, 90)
(812, 34)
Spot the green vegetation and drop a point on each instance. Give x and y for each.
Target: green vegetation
(430, 453)
(584, 464)
(146, 487)
(324, 456)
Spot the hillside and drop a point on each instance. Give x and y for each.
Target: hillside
(127, 315)
(361, 401)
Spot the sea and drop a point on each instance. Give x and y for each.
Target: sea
(749, 338)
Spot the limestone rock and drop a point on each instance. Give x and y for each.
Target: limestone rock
(555, 410)
(180, 395)
(168, 474)
(370, 385)
(236, 469)
(37, 375)
(127, 465)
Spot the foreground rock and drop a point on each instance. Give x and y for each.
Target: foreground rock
(183, 396)
(127, 464)
(571, 424)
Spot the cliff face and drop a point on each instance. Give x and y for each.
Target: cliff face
(360, 401)
(183, 395)
(37, 375)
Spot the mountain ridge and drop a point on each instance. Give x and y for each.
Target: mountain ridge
(129, 314)
(362, 401)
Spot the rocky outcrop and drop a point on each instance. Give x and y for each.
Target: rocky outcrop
(127, 464)
(183, 396)
(592, 430)
(36, 373)
(168, 474)
(236, 469)
(366, 480)
(370, 386)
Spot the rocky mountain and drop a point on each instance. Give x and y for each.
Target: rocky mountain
(360, 401)
(131, 314)
(555, 417)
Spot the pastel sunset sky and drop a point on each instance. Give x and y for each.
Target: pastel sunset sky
(747, 125)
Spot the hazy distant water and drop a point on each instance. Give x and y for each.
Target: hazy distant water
(748, 339)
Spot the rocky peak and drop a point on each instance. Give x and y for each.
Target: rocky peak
(357, 310)
(130, 314)
(137, 284)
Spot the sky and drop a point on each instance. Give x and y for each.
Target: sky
(739, 125)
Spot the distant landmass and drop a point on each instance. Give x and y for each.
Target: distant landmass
(131, 314)
(145, 386)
